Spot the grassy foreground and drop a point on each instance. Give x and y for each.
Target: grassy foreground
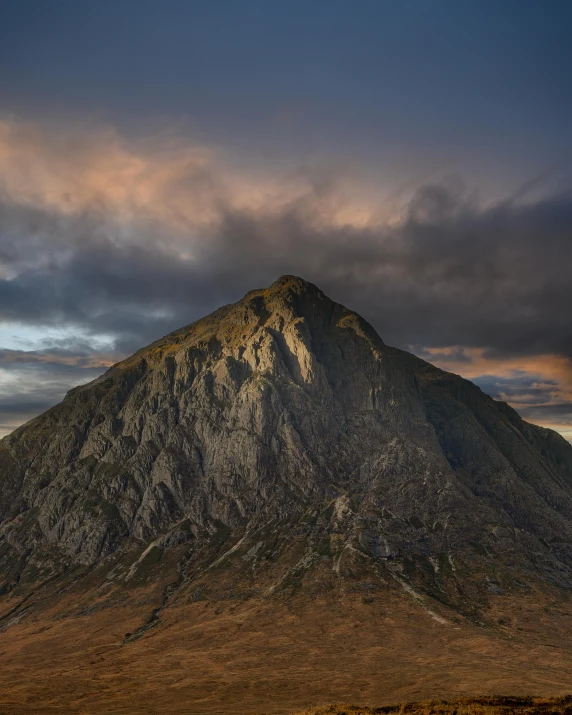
(494, 705)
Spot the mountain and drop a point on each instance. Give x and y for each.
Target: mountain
(286, 407)
(278, 452)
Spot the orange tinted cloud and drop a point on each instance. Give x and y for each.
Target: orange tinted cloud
(547, 375)
(167, 179)
(91, 361)
(473, 362)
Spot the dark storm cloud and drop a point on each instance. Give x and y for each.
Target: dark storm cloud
(558, 417)
(561, 411)
(451, 273)
(35, 383)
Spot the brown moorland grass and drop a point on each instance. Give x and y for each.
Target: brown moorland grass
(273, 658)
(493, 705)
(226, 654)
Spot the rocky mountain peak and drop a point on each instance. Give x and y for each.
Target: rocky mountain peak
(289, 284)
(287, 409)
(291, 310)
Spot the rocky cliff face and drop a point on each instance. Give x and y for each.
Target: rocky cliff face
(287, 413)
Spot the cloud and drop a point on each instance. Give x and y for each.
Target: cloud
(557, 417)
(538, 386)
(56, 358)
(31, 383)
(134, 238)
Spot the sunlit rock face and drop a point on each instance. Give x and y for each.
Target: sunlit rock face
(287, 409)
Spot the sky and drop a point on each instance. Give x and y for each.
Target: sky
(161, 158)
